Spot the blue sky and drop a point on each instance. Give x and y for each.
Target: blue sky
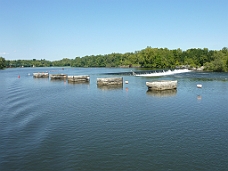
(57, 29)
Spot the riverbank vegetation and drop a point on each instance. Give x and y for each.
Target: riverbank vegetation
(159, 58)
(2, 63)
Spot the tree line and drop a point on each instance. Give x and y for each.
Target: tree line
(157, 58)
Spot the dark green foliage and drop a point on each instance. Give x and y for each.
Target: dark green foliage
(2, 63)
(28, 63)
(159, 58)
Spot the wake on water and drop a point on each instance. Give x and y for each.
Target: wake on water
(169, 72)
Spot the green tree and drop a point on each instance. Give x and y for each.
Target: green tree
(2, 63)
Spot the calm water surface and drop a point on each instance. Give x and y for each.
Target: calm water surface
(53, 125)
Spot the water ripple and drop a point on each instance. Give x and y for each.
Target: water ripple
(84, 127)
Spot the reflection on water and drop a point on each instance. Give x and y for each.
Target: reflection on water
(85, 126)
(163, 93)
(209, 79)
(206, 77)
(79, 82)
(199, 97)
(110, 87)
(40, 78)
(58, 80)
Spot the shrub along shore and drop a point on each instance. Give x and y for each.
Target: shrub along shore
(158, 58)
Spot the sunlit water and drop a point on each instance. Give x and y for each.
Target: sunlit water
(53, 125)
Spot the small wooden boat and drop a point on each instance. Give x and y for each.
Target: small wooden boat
(162, 85)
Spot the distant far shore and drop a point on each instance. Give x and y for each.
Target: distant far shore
(159, 58)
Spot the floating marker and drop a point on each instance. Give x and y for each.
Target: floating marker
(199, 85)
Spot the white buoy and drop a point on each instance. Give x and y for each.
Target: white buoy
(199, 85)
(126, 82)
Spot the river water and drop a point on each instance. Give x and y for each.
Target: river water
(54, 125)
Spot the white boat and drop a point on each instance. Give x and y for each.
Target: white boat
(164, 73)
